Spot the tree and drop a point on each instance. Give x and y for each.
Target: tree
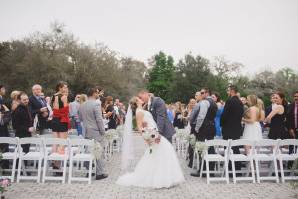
(161, 75)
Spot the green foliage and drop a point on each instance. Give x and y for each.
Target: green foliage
(161, 75)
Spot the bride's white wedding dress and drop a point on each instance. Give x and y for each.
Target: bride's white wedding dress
(158, 169)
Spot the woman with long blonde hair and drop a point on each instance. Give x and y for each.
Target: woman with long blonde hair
(253, 115)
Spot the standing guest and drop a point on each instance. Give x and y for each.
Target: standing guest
(292, 117)
(245, 103)
(192, 122)
(252, 129)
(60, 122)
(216, 98)
(178, 119)
(5, 117)
(22, 120)
(117, 111)
(122, 113)
(276, 118)
(231, 119)
(83, 98)
(292, 120)
(2, 93)
(261, 107)
(110, 113)
(74, 114)
(91, 115)
(14, 100)
(38, 108)
(170, 113)
(273, 103)
(205, 123)
(48, 100)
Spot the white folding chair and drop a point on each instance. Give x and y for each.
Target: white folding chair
(216, 158)
(83, 154)
(181, 142)
(11, 155)
(242, 158)
(36, 155)
(259, 156)
(54, 156)
(284, 156)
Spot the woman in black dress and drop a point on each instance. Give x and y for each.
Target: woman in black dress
(5, 117)
(60, 122)
(178, 119)
(277, 117)
(110, 113)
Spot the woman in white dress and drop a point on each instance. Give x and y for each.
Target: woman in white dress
(159, 168)
(253, 116)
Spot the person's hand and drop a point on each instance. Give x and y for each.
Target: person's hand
(144, 124)
(43, 109)
(45, 114)
(292, 133)
(31, 129)
(5, 108)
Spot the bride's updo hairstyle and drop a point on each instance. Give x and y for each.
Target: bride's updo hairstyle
(133, 104)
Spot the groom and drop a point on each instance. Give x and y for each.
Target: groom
(157, 107)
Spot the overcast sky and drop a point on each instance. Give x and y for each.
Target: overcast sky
(258, 33)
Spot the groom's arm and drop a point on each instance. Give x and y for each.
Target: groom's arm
(161, 113)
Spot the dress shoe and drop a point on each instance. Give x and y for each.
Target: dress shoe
(195, 174)
(100, 177)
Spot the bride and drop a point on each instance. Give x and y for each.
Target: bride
(159, 166)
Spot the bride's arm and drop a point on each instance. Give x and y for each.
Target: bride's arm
(139, 119)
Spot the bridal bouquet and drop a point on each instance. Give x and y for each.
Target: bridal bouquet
(150, 135)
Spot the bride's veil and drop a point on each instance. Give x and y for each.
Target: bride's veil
(127, 147)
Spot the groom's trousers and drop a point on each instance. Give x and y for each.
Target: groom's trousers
(100, 161)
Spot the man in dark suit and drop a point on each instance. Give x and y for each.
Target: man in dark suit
(2, 93)
(292, 120)
(231, 119)
(158, 109)
(38, 106)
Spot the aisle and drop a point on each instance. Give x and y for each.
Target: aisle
(107, 189)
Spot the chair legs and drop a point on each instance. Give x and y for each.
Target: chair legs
(90, 171)
(226, 165)
(258, 170)
(282, 171)
(234, 172)
(252, 171)
(276, 170)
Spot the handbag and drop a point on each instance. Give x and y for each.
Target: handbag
(5, 117)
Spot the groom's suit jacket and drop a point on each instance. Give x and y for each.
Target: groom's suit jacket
(159, 112)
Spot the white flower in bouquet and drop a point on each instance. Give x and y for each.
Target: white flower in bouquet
(150, 135)
(191, 138)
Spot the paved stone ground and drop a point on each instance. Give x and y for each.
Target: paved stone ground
(107, 189)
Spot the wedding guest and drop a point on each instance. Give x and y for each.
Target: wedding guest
(277, 117)
(192, 121)
(91, 115)
(273, 103)
(14, 100)
(74, 114)
(205, 125)
(5, 117)
(245, 103)
(60, 122)
(48, 100)
(116, 109)
(261, 106)
(38, 107)
(216, 98)
(83, 98)
(292, 117)
(292, 120)
(231, 119)
(2, 93)
(110, 112)
(178, 119)
(252, 118)
(22, 120)
(122, 113)
(170, 113)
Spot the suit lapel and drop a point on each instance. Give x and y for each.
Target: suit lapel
(151, 105)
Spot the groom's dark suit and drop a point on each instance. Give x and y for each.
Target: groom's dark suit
(158, 109)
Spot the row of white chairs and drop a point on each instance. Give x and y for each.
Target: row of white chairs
(265, 150)
(75, 151)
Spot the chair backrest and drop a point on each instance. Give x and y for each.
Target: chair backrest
(288, 142)
(217, 142)
(241, 142)
(9, 140)
(266, 142)
(53, 141)
(35, 141)
(81, 142)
